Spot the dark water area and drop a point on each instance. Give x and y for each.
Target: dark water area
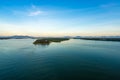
(20, 59)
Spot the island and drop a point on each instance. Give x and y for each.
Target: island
(49, 40)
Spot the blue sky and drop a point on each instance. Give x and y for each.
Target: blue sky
(60, 17)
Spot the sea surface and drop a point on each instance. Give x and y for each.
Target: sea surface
(75, 59)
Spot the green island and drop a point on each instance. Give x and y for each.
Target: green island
(49, 40)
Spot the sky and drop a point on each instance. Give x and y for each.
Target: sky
(60, 17)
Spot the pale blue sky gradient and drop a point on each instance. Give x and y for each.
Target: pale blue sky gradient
(60, 17)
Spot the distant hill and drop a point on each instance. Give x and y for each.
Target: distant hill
(100, 38)
(21, 37)
(17, 37)
(78, 37)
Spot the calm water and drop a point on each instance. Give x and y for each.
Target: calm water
(69, 60)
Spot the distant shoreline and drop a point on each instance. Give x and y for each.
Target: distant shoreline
(101, 39)
(105, 38)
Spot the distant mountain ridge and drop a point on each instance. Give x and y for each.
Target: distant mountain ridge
(21, 37)
(96, 37)
(75, 37)
(17, 37)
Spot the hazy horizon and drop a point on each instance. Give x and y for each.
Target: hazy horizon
(61, 35)
(60, 18)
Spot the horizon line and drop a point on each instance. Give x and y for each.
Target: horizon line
(59, 36)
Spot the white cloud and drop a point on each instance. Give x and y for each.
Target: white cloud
(31, 11)
(35, 13)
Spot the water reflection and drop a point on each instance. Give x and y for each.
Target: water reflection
(45, 44)
(42, 44)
